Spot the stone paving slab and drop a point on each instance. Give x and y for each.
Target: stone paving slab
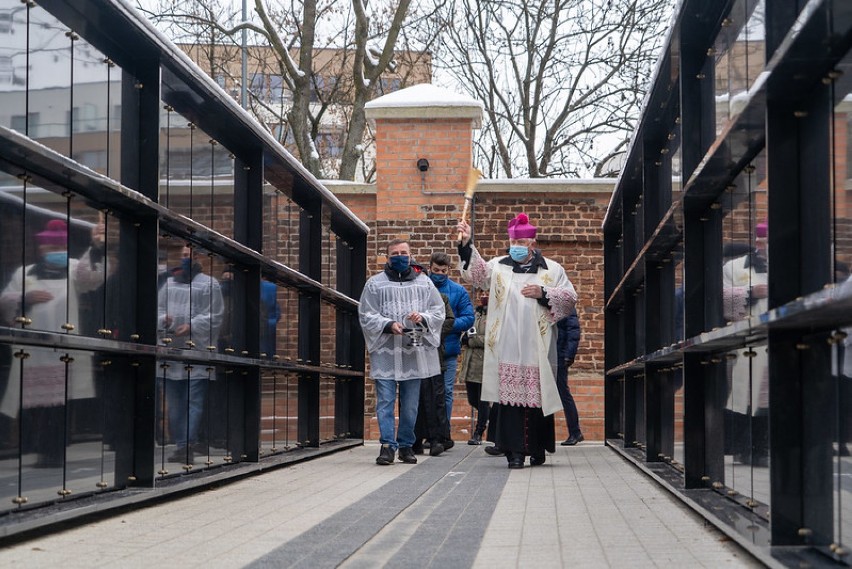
(586, 507)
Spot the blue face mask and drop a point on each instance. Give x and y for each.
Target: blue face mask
(399, 263)
(438, 279)
(519, 253)
(57, 258)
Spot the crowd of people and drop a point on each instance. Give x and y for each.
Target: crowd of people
(516, 348)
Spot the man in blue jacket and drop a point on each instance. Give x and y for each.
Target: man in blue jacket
(567, 340)
(439, 268)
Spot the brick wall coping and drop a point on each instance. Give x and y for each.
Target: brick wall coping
(345, 187)
(547, 185)
(506, 186)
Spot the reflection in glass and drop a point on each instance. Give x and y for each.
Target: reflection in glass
(270, 315)
(197, 172)
(64, 263)
(279, 411)
(327, 384)
(747, 422)
(841, 164)
(13, 65)
(842, 371)
(95, 115)
(190, 313)
(745, 270)
(49, 87)
(739, 55)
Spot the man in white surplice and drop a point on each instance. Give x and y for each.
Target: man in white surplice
(528, 294)
(401, 313)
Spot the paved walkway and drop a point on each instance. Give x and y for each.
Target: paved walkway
(585, 508)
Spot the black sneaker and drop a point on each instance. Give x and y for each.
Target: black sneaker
(406, 455)
(476, 439)
(573, 439)
(386, 455)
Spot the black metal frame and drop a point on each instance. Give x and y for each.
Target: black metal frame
(153, 71)
(787, 114)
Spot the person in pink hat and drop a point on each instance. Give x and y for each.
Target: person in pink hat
(528, 294)
(47, 293)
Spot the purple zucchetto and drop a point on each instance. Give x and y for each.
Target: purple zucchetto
(761, 229)
(55, 233)
(520, 228)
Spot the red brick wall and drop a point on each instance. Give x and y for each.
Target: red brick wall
(569, 233)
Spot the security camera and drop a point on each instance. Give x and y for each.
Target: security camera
(423, 165)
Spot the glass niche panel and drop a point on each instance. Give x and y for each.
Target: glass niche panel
(49, 80)
(745, 269)
(65, 411)
(13, 64)
(327, 409)
(196, 173)
(191, 307)
(841, 164)
(738, 56)
(842, 374)
(746, 422)
(60, 267)
(281, 226)
(328, 334)
(279, 411)
(677, 368)
(96, 111)
(194, 416)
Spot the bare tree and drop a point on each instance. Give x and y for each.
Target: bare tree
(562, 81)
(315, 64)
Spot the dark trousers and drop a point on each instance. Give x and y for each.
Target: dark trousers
(483, 408)
(568, 405)
(432, 411)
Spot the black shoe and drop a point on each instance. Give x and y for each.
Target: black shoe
(476, 439)
(436, 448)
(448, 444)
(573, 439)
(386, 455)
(537, 460)
(417, 448)
(516, 460)
(495, 451)
(406, 455)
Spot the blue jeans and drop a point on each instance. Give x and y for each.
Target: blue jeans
(409, 398)
(452, 363)
(185, 399)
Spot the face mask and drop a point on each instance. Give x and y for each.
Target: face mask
(438, 279)
(399, 263)
(57, 258)
(186, 265)
(519, 253)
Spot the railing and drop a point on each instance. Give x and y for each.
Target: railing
(176, 291)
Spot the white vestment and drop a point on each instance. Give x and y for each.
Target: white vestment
(519, 366)
(384, 301)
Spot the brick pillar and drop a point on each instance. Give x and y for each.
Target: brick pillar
(421, 122)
